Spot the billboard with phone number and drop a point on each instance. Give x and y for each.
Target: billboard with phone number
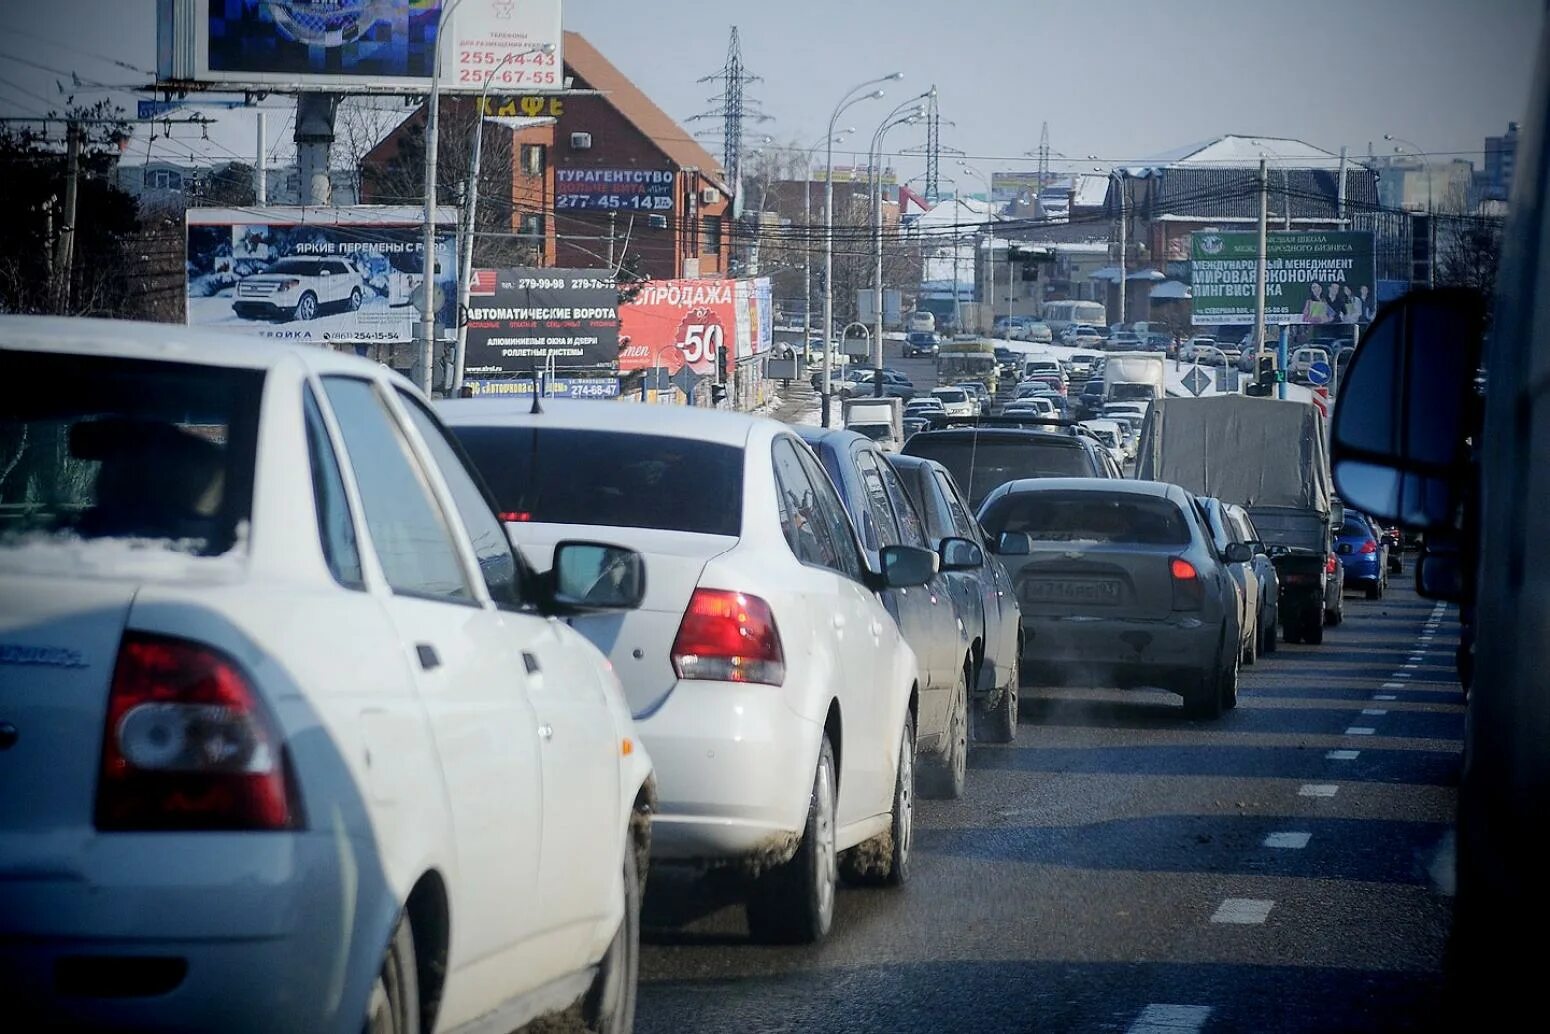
(526, 318)
(1311, 277)
(632, 190)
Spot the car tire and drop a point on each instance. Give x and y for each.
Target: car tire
(1203, 698)
(1251, 651)
(998, 722)
(355, 299)
(884, 861)
(1313, 630)
(1269, 645)
(609, 1005)
(1337, 615)
(1375, 591)
(793, 903)
(1227, 685)
(943, 778)
(306, 306)
(394, 1005)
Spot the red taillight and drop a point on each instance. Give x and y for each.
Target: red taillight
(1188, 591)
(515, 516)
(1330, 564)
(187, 744)
(728, 637)
(1369, 546)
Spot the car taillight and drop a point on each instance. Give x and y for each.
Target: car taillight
(1188, 590)
(1369, 546)
(188, 745)
(516, 516)
(728, 637)
(1330, 564)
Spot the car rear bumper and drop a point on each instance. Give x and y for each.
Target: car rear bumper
(734, 769)
(193, 932)
(1366, 571)
(1117, 651)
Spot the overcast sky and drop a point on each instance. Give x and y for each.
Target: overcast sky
(1122, 79)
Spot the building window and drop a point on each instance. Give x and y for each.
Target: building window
(532, 224)
(710, 235)
(163, 179)
(533, 159)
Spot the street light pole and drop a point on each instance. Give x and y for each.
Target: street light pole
(428, 286)
(807, 242)
(846, 101)
(990, 249)
(875, 158)
(1426, 165)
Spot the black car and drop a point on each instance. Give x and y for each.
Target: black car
(981, 459)
(1090, 402)
(928, 617)
(982, 592)
(921, 343)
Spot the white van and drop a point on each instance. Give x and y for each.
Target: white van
(922, 322)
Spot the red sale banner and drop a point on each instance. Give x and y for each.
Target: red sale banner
(675, 323)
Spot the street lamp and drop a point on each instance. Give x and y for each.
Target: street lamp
(897, 117)
(990, 250)
(466, 262)
(807, 240)
(851, 97)
(1425, 165)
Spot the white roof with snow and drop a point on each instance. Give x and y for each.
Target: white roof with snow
(1244, 152)
(1091, 191)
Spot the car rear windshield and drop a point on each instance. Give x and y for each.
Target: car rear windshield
(609, 478)
(979, 466)
(99, 448)
(951, 394)
(1131, 391)
(1103, 517)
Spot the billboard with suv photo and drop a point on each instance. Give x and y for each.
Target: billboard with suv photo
(345, 275)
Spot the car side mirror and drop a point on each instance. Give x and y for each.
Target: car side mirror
(1344, 549)
(1406, 405)
(1014, 543)
(961, 555)
(1258, 547)
(590, 576)
(905, 567)
(1238, 553)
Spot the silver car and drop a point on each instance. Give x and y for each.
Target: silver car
(1120, 584)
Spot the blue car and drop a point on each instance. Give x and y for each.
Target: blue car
(1363, 555)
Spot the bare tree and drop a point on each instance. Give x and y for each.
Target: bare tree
(1468, 245)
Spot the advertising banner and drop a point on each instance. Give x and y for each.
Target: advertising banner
(558, 387)
(356, 44)
(1311, 277)
(638, 190)
(676, 323)
(349, 275)
(521, 319)
(1009, 186)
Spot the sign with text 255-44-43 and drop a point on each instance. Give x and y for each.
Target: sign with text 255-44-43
(1311, 277)
(627, 190)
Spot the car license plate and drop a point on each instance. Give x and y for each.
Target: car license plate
(1103, 591)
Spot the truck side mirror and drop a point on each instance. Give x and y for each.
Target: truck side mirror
(1397, 442)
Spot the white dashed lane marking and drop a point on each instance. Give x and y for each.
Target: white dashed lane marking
(1360, 730)
(1318, 790)
(1243, 911)
(1393, 685)
(1170, 1019)
(1383, 696)
(1293, 841)
(1374, 712)
(1341, 755)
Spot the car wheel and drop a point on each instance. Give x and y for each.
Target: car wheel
(1269, 646)
(998, 723)
(394, 1006)
(1313, 630)
(1375, 590)
(1334, 617)
(355, 299)
(793, 903)
(884, 861)
(944, 777)
(1251, 651)
(1228, 685)
(307, 306)
(1203, 698)
(609, 1006)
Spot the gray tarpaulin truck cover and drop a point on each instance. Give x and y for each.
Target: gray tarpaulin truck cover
(1251, 451)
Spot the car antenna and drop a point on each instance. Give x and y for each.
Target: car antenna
(538, 390)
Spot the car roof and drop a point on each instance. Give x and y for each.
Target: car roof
(1007, 434)
(1123, 486)
(169, 342)
(710, 425)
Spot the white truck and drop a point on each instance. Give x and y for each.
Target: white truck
(880, 419)
(1132, 375)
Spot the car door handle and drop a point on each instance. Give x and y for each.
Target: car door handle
(877, 629)
(429, 659)
(546, 731)
(839, 621)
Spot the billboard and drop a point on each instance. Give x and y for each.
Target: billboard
(355, 44)
(677, 323)
(635, 190)
(349, 275)
(1311, 277)
(557, 387)
(520, 319)
(1009, 186)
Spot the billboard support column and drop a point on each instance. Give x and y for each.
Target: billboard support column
(427, 349)
(261, 165)
(1260, 266)
(314, 140)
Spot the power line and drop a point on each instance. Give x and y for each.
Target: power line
(733, 108)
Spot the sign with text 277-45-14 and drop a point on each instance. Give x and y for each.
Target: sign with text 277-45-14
(627, 190)
(1311, 277)
(520, 319)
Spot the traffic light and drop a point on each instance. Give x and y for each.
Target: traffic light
(718, 394)
(1264, 384)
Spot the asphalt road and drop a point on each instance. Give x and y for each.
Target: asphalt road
(1089, 879)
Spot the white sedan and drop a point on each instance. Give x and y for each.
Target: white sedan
(292, 742)
(774, 690)
(957, 401)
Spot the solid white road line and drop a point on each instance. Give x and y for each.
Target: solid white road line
(1294, 841)
(1360, 730)
(1383, 696)
(1170, 1019)
(1317, 790)
(1245, 911)
(1403, 675)
(1343, 755)
(1376, 712)
(1393, 685)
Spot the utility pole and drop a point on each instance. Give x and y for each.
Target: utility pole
(1044, 156)
(260, 166)
(933, 151)
(733, 109)
(1340, 190)
(1259, 265)
(611, 240)
(64, 247)
(1123, 230)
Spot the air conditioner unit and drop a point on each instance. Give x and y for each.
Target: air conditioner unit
(656, 222)
(709, 195)
(581, 141)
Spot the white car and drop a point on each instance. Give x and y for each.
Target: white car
(1302, 361)
(299, 288)
(297, 745)
(1039, 365)
(774, 691)
(1030, 406)
(1112, 435)
(957, 401)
